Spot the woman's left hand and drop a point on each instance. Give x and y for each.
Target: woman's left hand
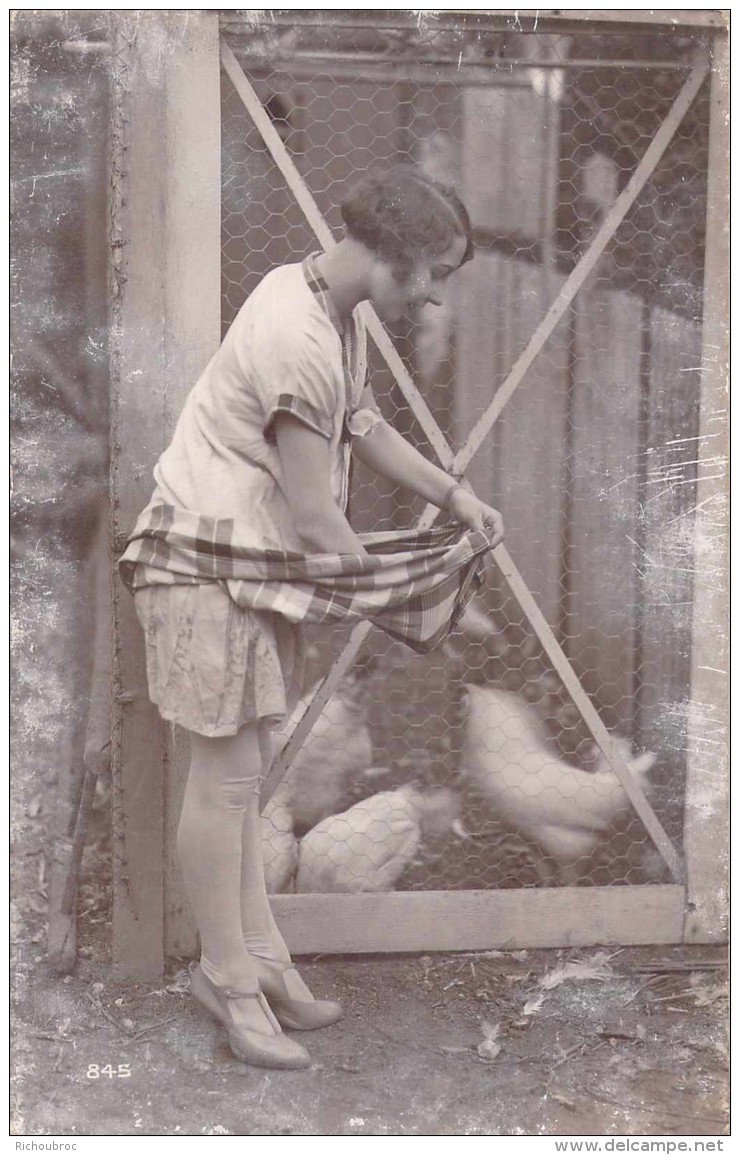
(466, 508)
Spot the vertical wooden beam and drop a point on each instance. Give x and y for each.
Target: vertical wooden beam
(667, 553)
(604, 510)
(706, 829)
(166, 318)
(502, 299)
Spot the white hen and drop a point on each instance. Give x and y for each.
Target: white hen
(337, 751)
(507, 757)
(368, 847)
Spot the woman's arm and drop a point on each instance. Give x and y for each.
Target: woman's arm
(304, 455)
(386, 452)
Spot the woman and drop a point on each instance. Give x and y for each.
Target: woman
(258, 468)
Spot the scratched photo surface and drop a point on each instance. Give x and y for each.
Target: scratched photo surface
(507, 857)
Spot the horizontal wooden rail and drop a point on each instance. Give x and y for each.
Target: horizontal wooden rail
(457, 920)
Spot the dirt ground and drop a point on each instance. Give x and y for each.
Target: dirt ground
(621, 1042)
(613, 1042)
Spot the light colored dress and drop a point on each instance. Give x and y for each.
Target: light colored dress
(286, 352)
(212, 665)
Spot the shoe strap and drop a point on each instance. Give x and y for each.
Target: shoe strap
(232, 993)
(227, 992)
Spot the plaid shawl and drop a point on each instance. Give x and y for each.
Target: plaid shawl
(414, 586)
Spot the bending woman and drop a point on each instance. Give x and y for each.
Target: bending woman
(258, 468)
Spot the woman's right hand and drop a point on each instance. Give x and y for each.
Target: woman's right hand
(469, 510)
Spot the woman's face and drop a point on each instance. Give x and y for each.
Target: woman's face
(426, 284)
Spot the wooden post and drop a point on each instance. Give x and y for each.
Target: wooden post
(706, 829)
(165, 239)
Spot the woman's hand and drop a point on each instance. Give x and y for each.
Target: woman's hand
(466, 508)
(384, 450)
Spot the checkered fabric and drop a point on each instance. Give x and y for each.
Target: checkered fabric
(414, 586)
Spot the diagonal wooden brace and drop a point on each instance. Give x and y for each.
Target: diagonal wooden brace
(306, 723)
(457, 463)
(312, 213)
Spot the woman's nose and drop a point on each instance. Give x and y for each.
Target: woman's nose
(435, 296)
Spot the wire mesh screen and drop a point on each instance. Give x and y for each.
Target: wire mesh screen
(472, 768)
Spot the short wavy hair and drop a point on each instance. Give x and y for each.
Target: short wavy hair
(404, 216)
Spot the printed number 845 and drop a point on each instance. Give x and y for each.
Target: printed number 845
(122, 1071)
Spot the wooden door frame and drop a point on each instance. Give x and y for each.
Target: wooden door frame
(165, 215)
(166, 324)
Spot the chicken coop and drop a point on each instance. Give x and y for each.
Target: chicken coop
(555, 772)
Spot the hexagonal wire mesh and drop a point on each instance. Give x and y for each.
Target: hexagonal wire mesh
(471, 767)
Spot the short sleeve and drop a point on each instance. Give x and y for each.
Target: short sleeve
(297, 376)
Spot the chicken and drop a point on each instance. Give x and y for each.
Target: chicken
(507, 757)
(337, 751)
(368, 847)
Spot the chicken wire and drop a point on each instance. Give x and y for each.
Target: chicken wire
(472, 768)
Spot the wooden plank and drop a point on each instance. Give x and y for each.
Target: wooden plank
(166, 326)
(666, 548)
(706, 831)
(503, 142)
(137, 436)
(673, 17)
(192, 331)
(480, 919)
(482, 334)
(577, 278)
(606, 462)
(192, 273)
(526, 20)
(521, 468)
(532, 442)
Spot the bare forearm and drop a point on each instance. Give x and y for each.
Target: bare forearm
(389, 454)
